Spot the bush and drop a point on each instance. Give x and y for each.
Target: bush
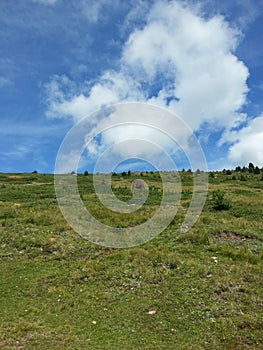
(212, 175)
(220, 202)
(243, 178)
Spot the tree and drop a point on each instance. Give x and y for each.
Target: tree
(256, 170)
(86, 173)
(238, 168)
(251, 168)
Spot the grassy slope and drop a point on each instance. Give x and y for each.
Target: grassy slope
(58, 291)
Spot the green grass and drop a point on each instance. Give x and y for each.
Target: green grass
(59, 291)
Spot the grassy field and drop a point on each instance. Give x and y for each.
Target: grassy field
(198, 290)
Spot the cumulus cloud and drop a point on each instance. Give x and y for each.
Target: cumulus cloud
(179, 59)
(111, 88)
(195, 56)
(138, 130)
(247, 143)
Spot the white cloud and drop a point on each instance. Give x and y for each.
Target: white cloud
(179, 59)
(112, 88)
(195, 56)
(247, 143)
(186, 57)
(139, 130)
(91, 9)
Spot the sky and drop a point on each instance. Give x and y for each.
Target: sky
(63, 60)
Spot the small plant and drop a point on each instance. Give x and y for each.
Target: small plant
(220, 202)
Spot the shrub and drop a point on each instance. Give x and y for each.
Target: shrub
(220, 202)
(243, 178)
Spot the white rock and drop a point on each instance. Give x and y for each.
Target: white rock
(152, 312)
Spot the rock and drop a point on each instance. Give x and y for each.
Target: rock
(152, 312)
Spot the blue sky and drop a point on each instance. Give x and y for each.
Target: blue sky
(62, 60)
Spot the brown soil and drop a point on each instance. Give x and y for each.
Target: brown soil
(231, 236)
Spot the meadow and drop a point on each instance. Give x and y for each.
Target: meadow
(197, 290)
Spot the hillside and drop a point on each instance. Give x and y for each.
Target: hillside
(196, 290)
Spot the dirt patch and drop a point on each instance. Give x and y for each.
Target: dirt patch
(231, 236)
